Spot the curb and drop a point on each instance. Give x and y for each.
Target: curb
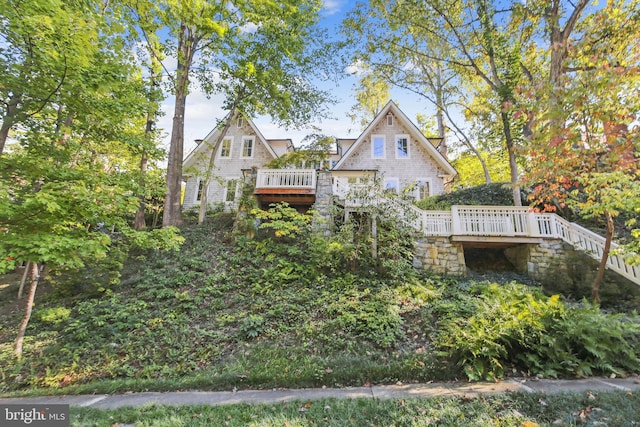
(397, 391)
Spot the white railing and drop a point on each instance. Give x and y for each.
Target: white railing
(493, 221)
(286, 178)
(437, 223)
(593, 244)
(503, 221)
(490, 221)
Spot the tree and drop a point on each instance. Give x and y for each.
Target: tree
(194, 30)
(435, 49)
(267, 71)
(69, 180)
(584, 150)
(372, 93)
(44, 45)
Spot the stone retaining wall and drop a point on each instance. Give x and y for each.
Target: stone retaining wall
(439, 255)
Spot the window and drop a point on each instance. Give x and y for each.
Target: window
(230, 190)
(240, 122)
(389, 119)
(377, 146)
(200, 189)
(247, 146)
(225, 148)
(402, 146)
(391, 185)
(422, 188)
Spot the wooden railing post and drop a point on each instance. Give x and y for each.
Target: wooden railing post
(456, 227)
(534, 227)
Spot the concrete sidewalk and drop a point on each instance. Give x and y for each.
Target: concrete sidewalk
(105, 401)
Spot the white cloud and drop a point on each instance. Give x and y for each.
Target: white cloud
(331, 7)
(358, 68)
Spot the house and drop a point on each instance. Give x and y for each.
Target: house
(243, 147)
(391, 149)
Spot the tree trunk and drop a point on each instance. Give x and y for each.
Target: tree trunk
(207, 180)
(442, 148)
(34, 277)
(140, 223)
(8, 119)
(172, 214)
(187, 44)
(23, 280)
(595, 288)
(513, 164)
(154, 80)
(374, 238)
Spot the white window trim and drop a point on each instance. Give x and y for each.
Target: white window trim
(226, 190)
(389, 119)
(416, 193)
(395, 145)
(384, 147)
(392, 179)
(253, 146)
(227, 138)
(240, 122)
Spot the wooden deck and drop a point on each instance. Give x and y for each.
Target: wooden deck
(294, 186)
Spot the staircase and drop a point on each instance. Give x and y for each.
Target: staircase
(504, 222)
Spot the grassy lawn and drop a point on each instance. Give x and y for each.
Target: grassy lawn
(294, 313)
(517, 409)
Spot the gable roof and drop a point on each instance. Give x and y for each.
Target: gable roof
(393, 107)
(215, 132)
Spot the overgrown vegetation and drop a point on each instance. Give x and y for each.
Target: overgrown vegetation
(497, 194)
(492, 329)
(295, 310)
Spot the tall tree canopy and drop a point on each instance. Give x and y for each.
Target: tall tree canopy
(212, 40)
(69, 180)
(441, 50)
(585, 146)
(268, 72)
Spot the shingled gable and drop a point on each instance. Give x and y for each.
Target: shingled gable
(415, 132)
(207, 143)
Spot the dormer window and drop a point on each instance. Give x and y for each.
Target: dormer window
(389, 119)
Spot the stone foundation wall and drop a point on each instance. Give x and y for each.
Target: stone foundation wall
(562, 269)
(439, 255)
(324, 204)
(548, 258)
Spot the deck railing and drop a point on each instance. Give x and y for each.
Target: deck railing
(286, 178)
(502, 221)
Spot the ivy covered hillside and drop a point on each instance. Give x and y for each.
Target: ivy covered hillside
(279, 310)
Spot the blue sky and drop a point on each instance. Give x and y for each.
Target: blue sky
(202, 113)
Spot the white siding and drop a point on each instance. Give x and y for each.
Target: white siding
(419, 164)
(225, 168)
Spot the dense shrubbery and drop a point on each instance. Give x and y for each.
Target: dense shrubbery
(495, 328)
(497, 194)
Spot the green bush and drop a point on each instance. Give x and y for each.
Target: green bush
(497, 194)
(517, 327)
